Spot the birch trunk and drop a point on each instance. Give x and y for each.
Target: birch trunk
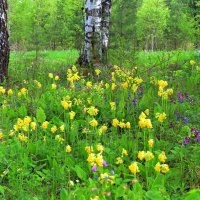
(4, 44)
(96, 31)
(92, 43)
(106, 12)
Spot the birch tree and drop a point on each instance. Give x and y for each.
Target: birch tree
(4, 44)
(97, 22)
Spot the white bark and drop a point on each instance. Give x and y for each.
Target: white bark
(96, 31)
(92, 44)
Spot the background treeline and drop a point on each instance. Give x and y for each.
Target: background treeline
(136, 24)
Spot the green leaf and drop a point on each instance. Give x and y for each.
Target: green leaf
(153, 195)
(80, 172)
(40, 115)
(22, 111)
(64, 194)
(192, 195)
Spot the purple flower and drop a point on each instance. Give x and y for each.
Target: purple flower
(94, 168)
(186, 120)
(171, 125)
(180, 97)
(198, 138)
(105, 164)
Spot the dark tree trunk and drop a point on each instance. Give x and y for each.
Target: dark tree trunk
(4, 44)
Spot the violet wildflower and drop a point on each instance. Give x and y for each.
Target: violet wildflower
(186, 120)
(198, 138)
(94, 168)
(180, 97)
(105, 164)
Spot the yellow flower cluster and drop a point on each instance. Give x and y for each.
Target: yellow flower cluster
(66, 103)
(163, 168)
(150, 143)
(105, 177)
(92, 111)
(134, 168)
(143, 122)
(68, 149)
(59, 138)
(165, 94)
(147, 156)
(102, 129)
(121, 124)
(2, 90)
(161, 117)
(38, 84)
(72, 76)
(72, 115)
(25, 124)
(93, 123)
(23, 92)
(162, 157)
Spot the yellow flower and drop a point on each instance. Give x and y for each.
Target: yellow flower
(53, 86)
(50, 75)
(92, 111)
(91, 158)
(10, 92)
(99, 160)
(27, 120)
(57, 78)
(122, 125)
(162, 157)
(1, 135)
(66, 104)
(33, 125)
(89, 149)
(124, 85)
(128, 125)
(138, 80)
(163, 168)
(2, 90)
(68, 149)
(146, 111)
(124, 152)
(161, 116)
(22, 137)
(148, 156)
(141, 155)
(94, 198)
(45, 124)
(89, 84)
(142, 116)
(23, 91)
(157, 167)
(192, 62)
(89, 100)
(162, 83)
(72, 115)
(93, 123)
(134, 87)
(113, 86)
(97, 71)
(59, 138)
(107, 85)
(119, 160)
(169, 91)
(113, 105)
(134, 168)
(53, 129)
(145, 123)
(115, 122)
(62, 128)
(150, 143)
(100, 148)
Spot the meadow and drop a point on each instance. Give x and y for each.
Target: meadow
(113, 132)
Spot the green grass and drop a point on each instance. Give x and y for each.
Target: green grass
(34, 163)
